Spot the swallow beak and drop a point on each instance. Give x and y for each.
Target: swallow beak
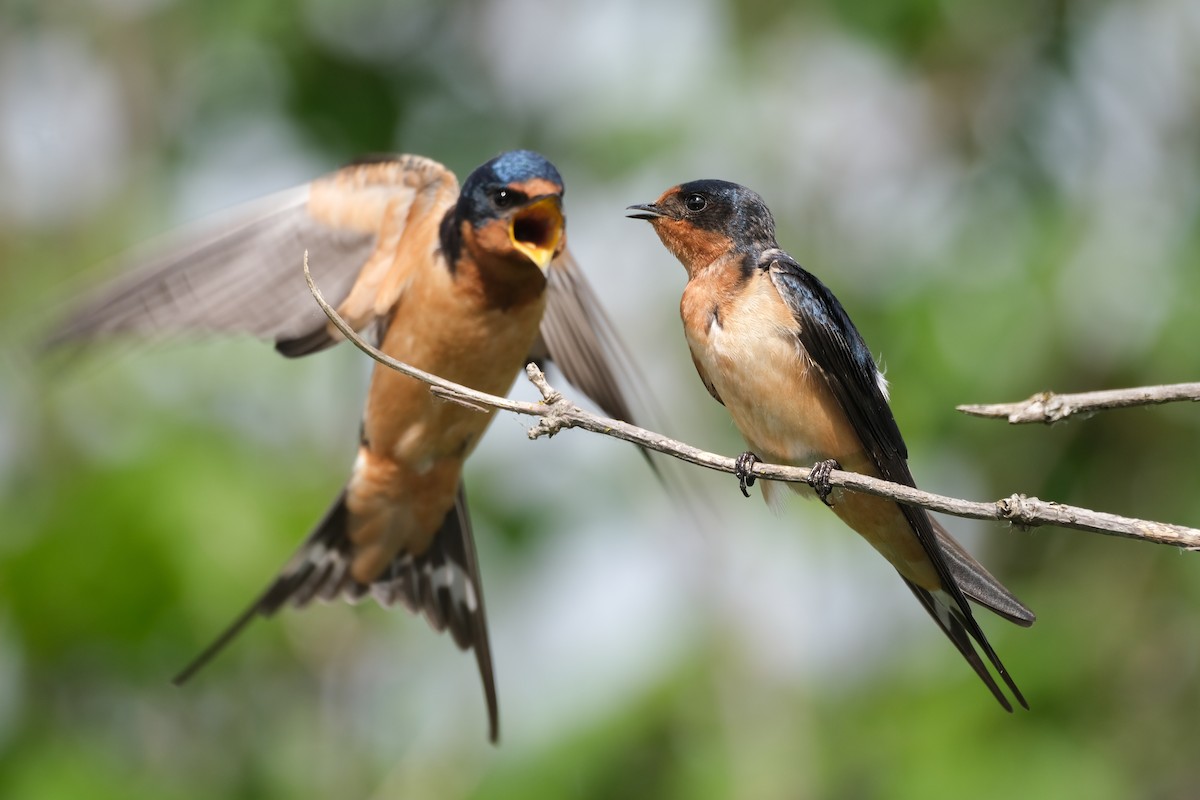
(647, 211)
(537, 229)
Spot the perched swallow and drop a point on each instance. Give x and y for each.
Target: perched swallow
(468, 285)
(776, 348)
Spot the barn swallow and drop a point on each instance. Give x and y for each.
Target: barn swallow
(468, 285)
(776, 348)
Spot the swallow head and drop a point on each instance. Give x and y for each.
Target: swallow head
(700, 221)
(510, 210)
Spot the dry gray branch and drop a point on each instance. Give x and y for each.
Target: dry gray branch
(556, 413)
(1049, 408)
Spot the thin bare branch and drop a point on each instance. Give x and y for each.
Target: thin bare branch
(556, 413)
(1049, 408)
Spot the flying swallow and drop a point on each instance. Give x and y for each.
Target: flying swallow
(469, 285)
(776, 348)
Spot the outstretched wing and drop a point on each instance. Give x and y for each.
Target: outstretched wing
(442, 583)
(360, 226)
(837, 348)
(579, 337)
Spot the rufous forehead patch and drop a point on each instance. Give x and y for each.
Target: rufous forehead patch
(667, 195)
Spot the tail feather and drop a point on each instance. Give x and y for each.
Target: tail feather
(268, 603)
(442, 584)
(217, 645)
(303, 576)
(945, 612)
(950, 606)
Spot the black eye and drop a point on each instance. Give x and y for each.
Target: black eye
(695, 202)
(502, 198)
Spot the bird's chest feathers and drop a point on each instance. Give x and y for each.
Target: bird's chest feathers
(454, 335)
(744, 340)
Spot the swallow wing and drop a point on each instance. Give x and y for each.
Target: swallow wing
(836, 347)
(578, 336)
(442, 583)
(979, 584)
(244, 274)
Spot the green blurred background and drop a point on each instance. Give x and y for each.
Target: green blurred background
(1006, 196)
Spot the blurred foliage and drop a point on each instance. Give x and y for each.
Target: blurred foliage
(1004, 196)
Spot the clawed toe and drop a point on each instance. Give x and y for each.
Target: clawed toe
(818, 479)
(741, 468)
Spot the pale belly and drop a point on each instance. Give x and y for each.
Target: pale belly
(783, 407)
(405, 422)
(778, 399)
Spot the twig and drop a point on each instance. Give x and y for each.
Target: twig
(556, 413)
(1049, 408)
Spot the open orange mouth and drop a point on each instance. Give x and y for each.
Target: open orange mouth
(536, 230)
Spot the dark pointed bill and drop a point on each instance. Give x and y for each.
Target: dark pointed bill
(645, 211)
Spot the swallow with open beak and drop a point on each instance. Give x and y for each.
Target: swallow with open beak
(776, 348)
(469, 285)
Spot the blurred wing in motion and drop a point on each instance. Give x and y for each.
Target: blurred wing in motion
(579, 337)
(442, 583)
(360, 225)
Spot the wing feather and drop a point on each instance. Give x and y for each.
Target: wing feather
(837, 348)
(243, 272)
(442, 583)
(579, 337)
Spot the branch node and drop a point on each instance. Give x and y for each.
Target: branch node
(1019, 510)
(1037, 409)
(550, 395)
(560, 417)
(1050, 407)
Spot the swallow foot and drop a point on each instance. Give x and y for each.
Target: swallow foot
(741, 468)
(818, 479)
